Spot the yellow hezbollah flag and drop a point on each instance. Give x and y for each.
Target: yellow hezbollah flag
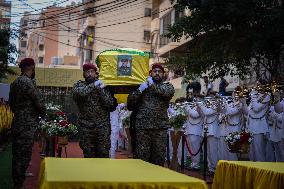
(123, 66)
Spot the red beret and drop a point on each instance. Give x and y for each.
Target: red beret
(89, 66)
(26, 62)
(158, 65)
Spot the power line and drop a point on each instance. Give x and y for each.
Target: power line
(130, 20)
(105, 25)
(62, 24)
(56, 16)
(63, 11)
(36, 10)
(100, 38)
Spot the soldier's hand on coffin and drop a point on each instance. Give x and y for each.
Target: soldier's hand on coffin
(150, 81)
(143, 86)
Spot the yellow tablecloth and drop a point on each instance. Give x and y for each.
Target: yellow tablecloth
(248, 175)
(92, 173)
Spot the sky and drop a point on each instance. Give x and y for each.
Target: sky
(20, 6)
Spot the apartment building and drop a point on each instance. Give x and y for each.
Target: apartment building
(108, 25)
(27, 23)
(51, 37)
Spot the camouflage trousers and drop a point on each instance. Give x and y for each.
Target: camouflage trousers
(22, 145)
(95, 142)
(151, 145)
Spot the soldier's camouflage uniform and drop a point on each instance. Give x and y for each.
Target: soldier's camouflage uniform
(26, 104)
(151, 121)
(95, 105)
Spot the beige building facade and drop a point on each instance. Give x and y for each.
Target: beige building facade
(51, 38)
(110, 25)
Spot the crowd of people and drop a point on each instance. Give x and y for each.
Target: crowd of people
(258, 115)
(99, 120)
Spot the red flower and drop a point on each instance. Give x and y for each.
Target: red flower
(244, 137)
(63, 123)
(60, 113)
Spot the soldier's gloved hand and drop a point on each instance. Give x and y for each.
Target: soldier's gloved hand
(150, 81)
(143, 86)
(99, 84)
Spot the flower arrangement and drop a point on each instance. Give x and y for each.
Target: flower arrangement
(178, 117)
(56, 123)
(238, 142)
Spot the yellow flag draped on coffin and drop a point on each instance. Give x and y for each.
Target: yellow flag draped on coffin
(123, 67)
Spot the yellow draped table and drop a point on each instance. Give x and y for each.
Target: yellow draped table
(248, 175)
(90, 173)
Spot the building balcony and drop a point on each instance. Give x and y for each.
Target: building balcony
(167, 45)
(155, 25)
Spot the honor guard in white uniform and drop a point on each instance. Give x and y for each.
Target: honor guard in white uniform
(279, 108)
(273, 152)
(194, 132)
(211, 113)
(229, 123)
(114, 121)
(257, 125)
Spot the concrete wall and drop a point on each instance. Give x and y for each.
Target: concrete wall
(121, 35)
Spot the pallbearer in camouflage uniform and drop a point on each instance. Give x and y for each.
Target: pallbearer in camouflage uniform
(26, 104)
(151, 102)
(95, 103)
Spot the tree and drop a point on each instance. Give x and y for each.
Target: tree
(230, 37)
(8, 52)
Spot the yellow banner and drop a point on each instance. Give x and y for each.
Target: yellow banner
(53, 77)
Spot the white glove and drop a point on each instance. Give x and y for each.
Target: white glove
(99, 84)
(143, 86)
(150, 81)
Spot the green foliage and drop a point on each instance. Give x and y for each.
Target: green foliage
(6, 167)
(178, 121)
(244, 35)
(8, 52)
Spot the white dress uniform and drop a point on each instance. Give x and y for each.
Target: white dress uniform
(114, 132)
(279, 108)
(171, 112)
(273, 145)
(258, 126)
(231, 123)
(194, 133)
(115, 127)
(211, 122)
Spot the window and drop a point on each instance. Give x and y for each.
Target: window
(40, 60)
(148, 12)
(41, 47)
(147, 36)
(25, 23)
(165, 22)
(23, 43)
